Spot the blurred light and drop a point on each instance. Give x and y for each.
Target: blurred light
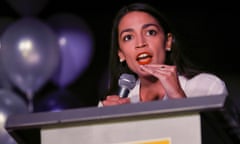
(2, 120)
(56, 109)
(62, 41)
(28, 52)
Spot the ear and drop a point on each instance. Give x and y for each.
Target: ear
(121, 56)
(169, 41)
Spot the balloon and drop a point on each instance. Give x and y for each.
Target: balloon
(4, 81)
(27, 7)
(5, 22)
(29, 54)
(76, 46)
(10, 103)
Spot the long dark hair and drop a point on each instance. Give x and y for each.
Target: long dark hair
(174, 57)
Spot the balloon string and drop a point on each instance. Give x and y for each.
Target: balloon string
(30, 101)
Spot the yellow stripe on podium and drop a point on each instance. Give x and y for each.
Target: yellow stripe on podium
(155, 141)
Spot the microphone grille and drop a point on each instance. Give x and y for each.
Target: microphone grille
(127, 80)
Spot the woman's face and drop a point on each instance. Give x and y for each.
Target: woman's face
(141, 41)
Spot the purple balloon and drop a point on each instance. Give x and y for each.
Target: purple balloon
(76, 46)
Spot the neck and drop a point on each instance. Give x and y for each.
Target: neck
(148, 81)
(151, 89)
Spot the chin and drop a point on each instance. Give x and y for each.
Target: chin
(142, 73)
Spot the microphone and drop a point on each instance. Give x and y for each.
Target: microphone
(126, 82)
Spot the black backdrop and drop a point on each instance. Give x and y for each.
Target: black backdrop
(210, 32)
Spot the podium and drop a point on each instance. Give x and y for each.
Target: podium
(173, 121)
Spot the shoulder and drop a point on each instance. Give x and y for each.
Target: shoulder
(205, 84)
(207, 77)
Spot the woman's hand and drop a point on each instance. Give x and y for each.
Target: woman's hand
(115, 100)
(168, 77)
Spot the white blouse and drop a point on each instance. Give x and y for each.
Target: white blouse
(203, 84)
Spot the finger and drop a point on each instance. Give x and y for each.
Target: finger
(109, 103)
(124, 100)
(154, 72)
(113, 98)
(154, 69)
(157, 66)
(146, 69)
(160, 66)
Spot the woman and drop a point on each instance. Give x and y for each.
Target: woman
(143, 44)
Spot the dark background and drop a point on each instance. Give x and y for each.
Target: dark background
(209, 32)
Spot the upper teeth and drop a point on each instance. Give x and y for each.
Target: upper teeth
(143, 55)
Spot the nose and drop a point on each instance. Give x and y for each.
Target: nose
(141, 45)
(141, 42)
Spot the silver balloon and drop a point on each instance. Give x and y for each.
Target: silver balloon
(4, 81)
(10, 104)
(29, 54)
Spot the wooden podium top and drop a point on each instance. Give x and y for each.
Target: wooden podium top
(25, 128)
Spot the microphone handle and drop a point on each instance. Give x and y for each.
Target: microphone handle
(123, 92)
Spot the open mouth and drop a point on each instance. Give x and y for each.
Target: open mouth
(144, 58)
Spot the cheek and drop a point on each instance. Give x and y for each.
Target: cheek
(130, 57)
(161, 55)
(127, 49)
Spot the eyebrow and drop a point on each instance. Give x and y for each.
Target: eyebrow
(144, 26)
(150, 24)
(126, 30)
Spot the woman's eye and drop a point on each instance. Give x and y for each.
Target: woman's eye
(127, 37)
(151, 32)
